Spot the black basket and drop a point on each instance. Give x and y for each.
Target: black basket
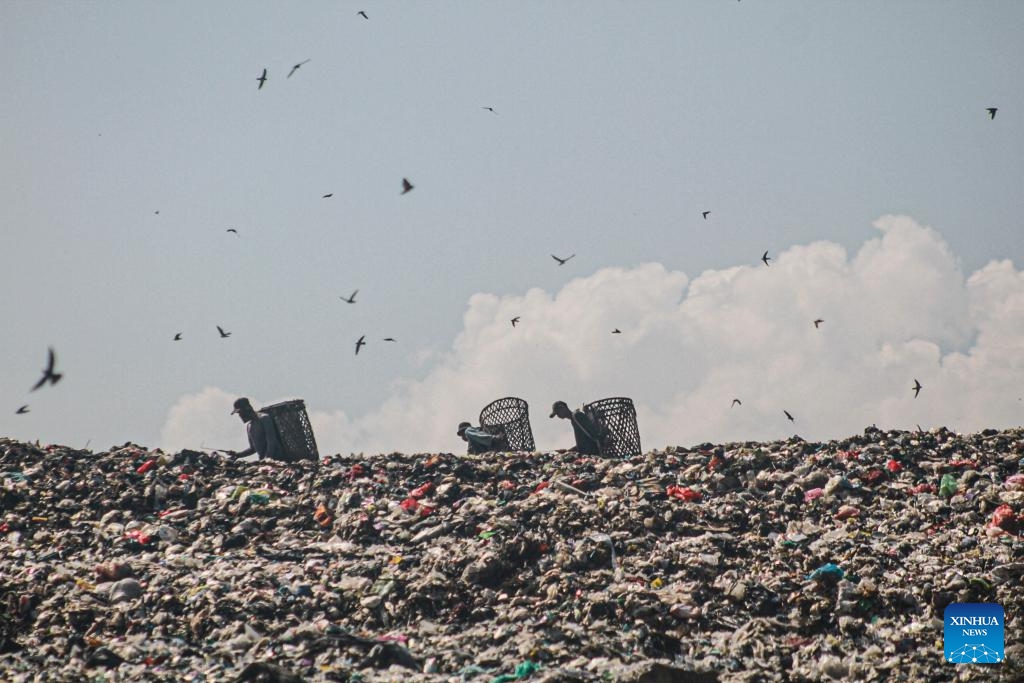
(293, 429)
(616, 417)
(510, 415)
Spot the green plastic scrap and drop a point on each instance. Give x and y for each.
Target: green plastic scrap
(947, 487)
(524, 670)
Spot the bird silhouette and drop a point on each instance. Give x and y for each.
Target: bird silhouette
(390, 339)
(295, 68)
(262, 79)
(705, 214)
(736, 402)
(156, 213)
(48, 374)
(788, 416)
(362, 14)
(917, 388)
(490, 109)
(233, 230)
(616, 331)
(351, 299)
(22, 410)
(514, 321)
(328, 195)
(223, 334)
(992, 112)
(406, 186)
(360, 343)
(561, 261)
(766, 258)
(177, 337)
(818, 322)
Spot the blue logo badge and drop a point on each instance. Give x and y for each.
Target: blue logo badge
(973, 633)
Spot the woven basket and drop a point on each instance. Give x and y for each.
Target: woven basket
(293, 429)
(617, 418)
(512, 416)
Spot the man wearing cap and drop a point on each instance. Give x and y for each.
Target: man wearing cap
(479, 439)
(588, 432)
(261, 431)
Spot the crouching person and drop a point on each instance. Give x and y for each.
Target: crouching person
(480, 440)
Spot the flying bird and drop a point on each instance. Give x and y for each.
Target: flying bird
(766, 258)
(22, 410)
(616, 331)
(514, 321)
(992, 112)
(156, 213)
(917, 388)
(788, 416)
(223, 334)
(361, 342)
(490, 109)
(262, 79)
(362, 14)
(177, 337)
(406, 186)
(561, 261)
(736, 402)
(295, 68)
(48, 374)
(233, 230)
(328, 195)
(705, 214)
(351, 299)
(390, 339)
(818, 322)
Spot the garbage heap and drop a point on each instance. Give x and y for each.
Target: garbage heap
(788, 560)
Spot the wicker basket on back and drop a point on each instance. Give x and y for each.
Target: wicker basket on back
(510, 415)
(293, 429)
(617, 419)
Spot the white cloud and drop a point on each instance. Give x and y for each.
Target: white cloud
(899, 309)
(203, 418)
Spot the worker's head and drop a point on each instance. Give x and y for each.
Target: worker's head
(560, 409)
(244, 409)
(463, 426)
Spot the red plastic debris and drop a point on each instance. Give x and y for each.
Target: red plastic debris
(813, 494)
(146, 466)
(964, 463)
(409, 504)
(1005, 519)
(541, 486)
(715, 462)
(421, 491)
(893, 466)
(506, 485)
(138, 536)
(875, 475)
(683, 493)
(849, 455)
(922, 488)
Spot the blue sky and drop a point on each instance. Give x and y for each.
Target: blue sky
(616, 124)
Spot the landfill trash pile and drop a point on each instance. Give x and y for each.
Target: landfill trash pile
(778, 561)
